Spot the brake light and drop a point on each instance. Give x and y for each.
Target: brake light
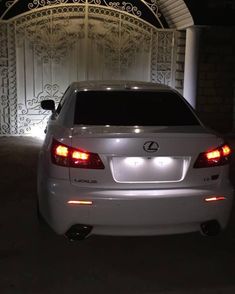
(61, 151)
(215, 157)
(226, 150)
(64, 155)
(80, 155)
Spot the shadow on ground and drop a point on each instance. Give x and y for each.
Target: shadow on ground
(38, 261)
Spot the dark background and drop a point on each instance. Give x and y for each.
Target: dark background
(212, 12)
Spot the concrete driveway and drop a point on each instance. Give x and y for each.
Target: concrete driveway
(35, 261)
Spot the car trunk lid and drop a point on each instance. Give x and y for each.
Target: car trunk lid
(144, 156)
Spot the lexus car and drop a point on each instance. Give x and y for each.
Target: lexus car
(131, 158)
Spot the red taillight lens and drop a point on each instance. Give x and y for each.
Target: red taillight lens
(215, 157)
(59, 154)
(67, 156)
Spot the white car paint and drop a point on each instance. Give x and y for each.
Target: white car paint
(137, 192)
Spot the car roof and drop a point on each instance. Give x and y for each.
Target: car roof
(118, 85)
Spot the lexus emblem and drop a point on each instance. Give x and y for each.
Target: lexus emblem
(151, 146)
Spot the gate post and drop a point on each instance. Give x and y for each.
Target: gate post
(191, 64)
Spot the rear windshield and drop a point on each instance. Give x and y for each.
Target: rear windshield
(130, 108)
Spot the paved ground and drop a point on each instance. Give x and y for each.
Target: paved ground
(32, 261)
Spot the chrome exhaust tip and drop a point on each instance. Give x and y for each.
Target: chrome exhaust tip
(210, 228)
(78, 232)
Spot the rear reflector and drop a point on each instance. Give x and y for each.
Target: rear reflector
(64, 155)
(80, 202)
(215, 198)
(215, 157)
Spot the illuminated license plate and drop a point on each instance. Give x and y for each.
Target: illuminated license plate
(149, 169)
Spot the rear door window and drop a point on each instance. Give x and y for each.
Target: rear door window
(130, 108)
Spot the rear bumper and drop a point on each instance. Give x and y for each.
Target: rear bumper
(133, 212)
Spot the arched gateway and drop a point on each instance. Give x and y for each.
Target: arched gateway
(46, 44)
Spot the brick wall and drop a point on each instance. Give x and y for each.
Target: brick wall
(180, 57)
(216, 81)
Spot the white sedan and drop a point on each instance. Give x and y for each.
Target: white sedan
(131, 158)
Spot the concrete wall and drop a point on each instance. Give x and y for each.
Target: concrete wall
(216, 83)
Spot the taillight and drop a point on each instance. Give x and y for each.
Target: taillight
(62, 151)
(215, 157)
(68, 156)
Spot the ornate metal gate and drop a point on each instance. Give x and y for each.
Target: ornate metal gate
(49, 46)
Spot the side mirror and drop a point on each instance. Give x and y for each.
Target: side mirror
(48, 105)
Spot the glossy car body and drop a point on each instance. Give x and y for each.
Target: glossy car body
(123, 158)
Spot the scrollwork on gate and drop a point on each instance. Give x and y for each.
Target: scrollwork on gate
(12, 86)
(9, 3)
(52, 37)
(153, 6)
(162, 57)
(31, 114)
(41, 3)
(123, 43)
(123, 6)
(53, 45)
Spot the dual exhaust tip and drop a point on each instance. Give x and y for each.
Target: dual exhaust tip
(210, 228)
(79, 232)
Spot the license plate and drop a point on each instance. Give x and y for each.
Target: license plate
(149, 169)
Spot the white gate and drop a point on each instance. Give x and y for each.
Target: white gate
(46, 48)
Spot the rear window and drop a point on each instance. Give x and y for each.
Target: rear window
(130, 108)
